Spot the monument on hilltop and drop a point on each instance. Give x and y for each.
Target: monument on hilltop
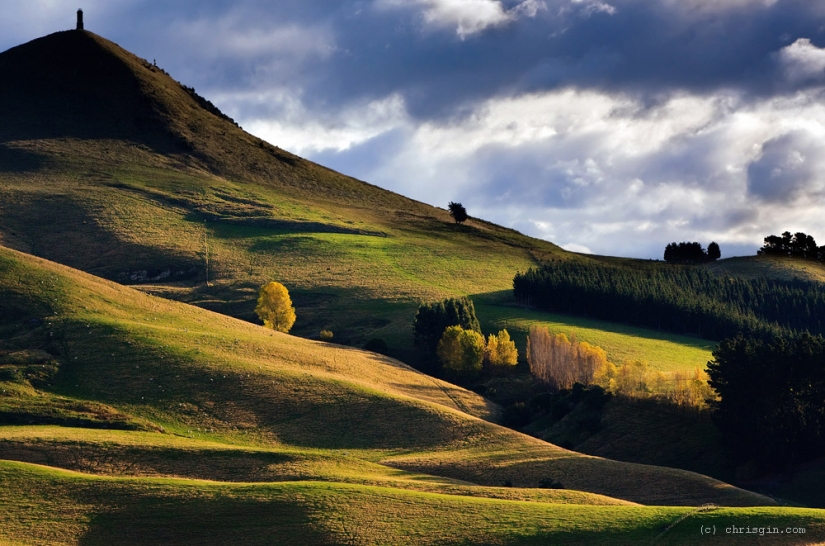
(80, 19)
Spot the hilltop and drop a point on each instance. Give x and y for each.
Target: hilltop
(112, 167)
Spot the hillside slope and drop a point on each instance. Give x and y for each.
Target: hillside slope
(185, 371)
(83, 509)
(110, 166)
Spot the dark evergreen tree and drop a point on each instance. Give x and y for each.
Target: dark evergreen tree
(458, 212)
(714, 252)
(671, 252)
(685, 253)
(772, 398)
(433, 318)
(681, 299)
(798, 245)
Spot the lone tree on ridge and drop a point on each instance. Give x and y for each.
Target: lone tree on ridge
(275, 307)
(458, 212)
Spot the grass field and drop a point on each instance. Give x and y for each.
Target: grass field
(663, 351)
(103, 510)
(187, 372)
(769, 266)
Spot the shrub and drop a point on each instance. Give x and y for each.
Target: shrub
(325, 335)
(376, 345)
(458, 212)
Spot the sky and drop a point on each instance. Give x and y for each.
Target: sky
(605, 126)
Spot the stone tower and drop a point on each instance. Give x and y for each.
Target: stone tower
(80, 19)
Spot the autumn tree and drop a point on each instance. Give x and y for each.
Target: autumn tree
(461, 351)
(562, 362)
(501, 351)
(275, 307)
(458, 212)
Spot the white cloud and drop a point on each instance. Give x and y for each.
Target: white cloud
(593, 171)
(590, 7)
(301, 131)
(802, 62)
(468, 16)
(573, 247)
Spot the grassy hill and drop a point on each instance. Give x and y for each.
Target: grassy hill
(295, 439)
(773, 267)
(103, 510)
(126, 174)
(181, 370)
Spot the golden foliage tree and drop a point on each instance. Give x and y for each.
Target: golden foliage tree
(560, 361)
(501, 350)
(461, 351)
(275, 307)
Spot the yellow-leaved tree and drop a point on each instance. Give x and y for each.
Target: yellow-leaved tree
(461, 351)
(501, 350)
(275, 307)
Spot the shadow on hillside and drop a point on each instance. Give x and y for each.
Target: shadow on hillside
(166, 516)
(15, 160)
(53, 95)
(65, 230)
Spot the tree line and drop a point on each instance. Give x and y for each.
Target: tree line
(798, 245)
(561, 362)
(684, 300)
(772, 399)
(691, 252)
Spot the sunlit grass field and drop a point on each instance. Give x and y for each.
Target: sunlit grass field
(202, 396)
(662, 351)
(103, 510)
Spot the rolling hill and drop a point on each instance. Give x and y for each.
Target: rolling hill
(313, 433)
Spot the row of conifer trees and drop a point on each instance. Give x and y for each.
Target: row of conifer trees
(685, 300)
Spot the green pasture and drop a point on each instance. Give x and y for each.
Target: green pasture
(662, 351)
(103, 510)
(185, 371)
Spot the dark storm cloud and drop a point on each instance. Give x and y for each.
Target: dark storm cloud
(649, 47)
(337, 52)
(788, 169)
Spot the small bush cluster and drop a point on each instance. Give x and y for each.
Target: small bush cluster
(798, 245)
(688, 253)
